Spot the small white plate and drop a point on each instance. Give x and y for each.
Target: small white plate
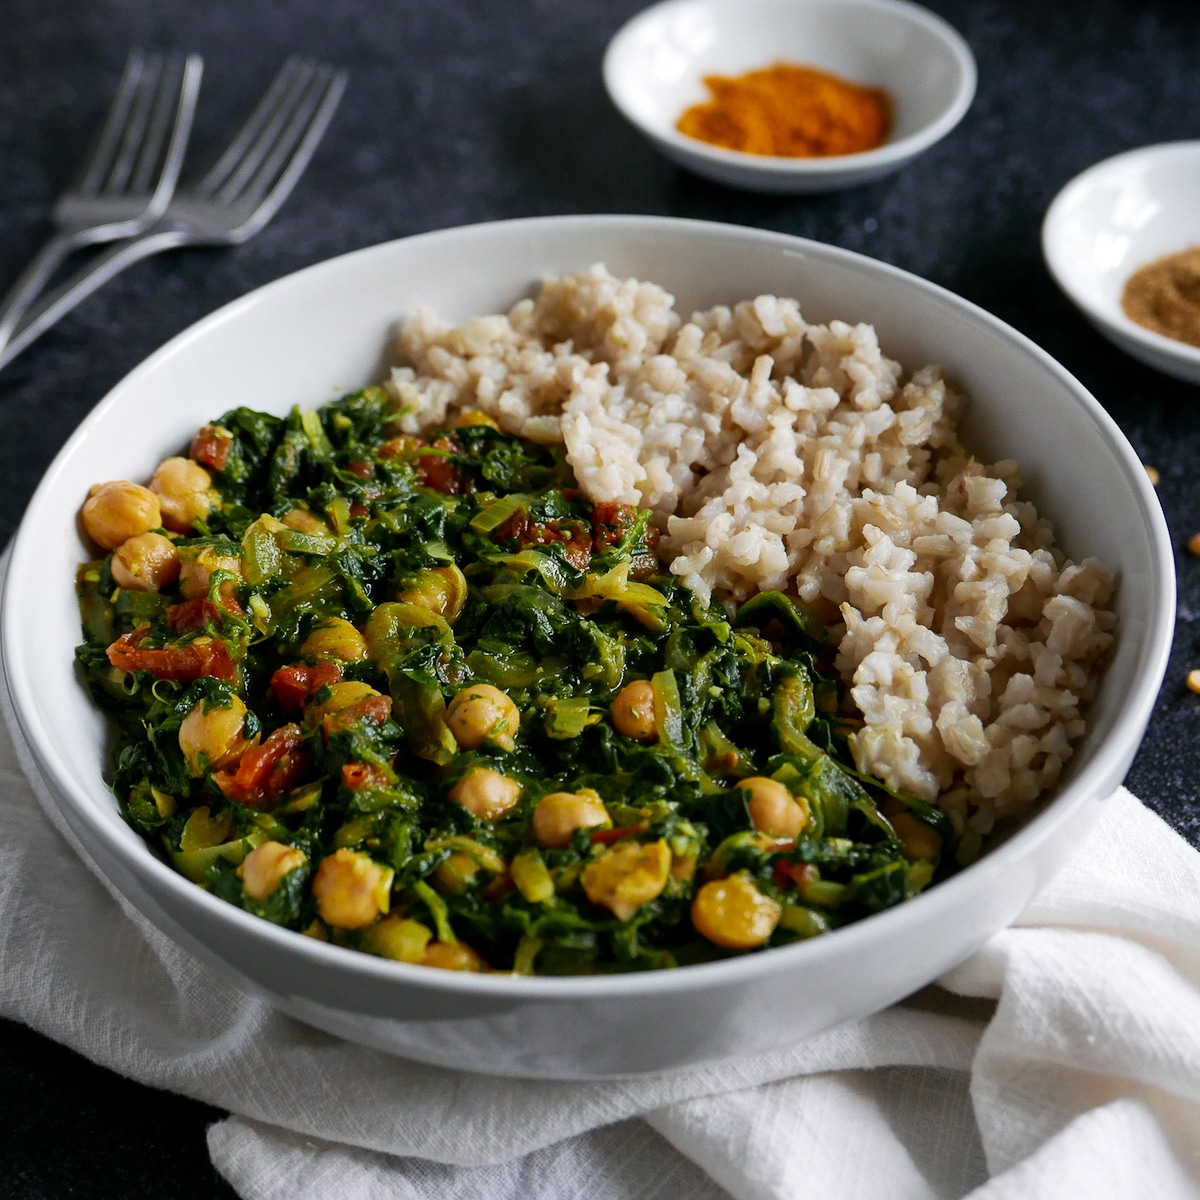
(1114, 218)
(654, 70)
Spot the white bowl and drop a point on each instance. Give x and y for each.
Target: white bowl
(1114, 218)
(308, 337)
(654, 70)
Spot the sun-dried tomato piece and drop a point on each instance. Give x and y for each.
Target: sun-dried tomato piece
(211, 446)
(294, 685)
(578, 549)
(517, 526)
(359, 775)
(203, 657)
(191, 616)
(266, 773)
(801, 874)
(611, 520)
(439, 473)
(574, 536)
(608, 837)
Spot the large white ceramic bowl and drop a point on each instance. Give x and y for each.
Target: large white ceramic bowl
(305, 339)
(654, 69)
(1112, 219)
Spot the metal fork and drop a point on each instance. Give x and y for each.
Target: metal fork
(238, 196)
(128, 178)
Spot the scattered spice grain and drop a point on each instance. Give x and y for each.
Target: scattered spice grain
(1193, 681)
(1194, 544)
(1151, 474)
(1164, 296)
(789, 111)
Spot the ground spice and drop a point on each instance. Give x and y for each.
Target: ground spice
(1165, 296)
(790, 111)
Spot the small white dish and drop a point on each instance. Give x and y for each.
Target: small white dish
(654, 69)
(1118, 216)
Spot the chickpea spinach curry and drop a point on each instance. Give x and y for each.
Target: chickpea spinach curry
(420, 698)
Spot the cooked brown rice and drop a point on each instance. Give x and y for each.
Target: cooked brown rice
(780, 454)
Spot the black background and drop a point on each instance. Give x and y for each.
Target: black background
(469, 110)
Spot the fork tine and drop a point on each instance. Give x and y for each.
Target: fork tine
(281, 87)
(135, 127)
(252, 179)
(167, 97)
(293, 168)
(99, 161)
(272, 157)
(181, 129)
(280, 121)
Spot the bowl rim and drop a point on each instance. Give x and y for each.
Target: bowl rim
(888, 154)
(1052, 251)
(899, 921)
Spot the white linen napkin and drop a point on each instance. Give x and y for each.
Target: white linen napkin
(1062, 1060)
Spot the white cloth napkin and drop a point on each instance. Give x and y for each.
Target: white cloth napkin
(1062, 1060)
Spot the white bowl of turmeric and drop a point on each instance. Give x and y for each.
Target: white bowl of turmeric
(790, 95)
(1122, 240)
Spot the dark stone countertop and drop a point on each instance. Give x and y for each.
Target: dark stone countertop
(472, 110)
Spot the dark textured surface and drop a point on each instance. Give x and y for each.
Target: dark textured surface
(471, 110)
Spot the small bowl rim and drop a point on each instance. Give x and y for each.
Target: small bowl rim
(889, 154)
(1121, 326)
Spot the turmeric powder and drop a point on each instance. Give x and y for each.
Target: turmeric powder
(1164, 296)
(789, 111)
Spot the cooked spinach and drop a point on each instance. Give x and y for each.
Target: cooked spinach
(422, 698)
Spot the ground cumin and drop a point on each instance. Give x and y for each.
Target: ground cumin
(790, 112)
(1165, 296)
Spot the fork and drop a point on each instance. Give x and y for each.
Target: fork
(238, 196)
(128, 178)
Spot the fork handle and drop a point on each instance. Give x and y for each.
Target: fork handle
(31, 281)
(21, 333)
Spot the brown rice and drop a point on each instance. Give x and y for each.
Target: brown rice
(780, 454)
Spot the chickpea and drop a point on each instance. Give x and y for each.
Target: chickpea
(920, 840)
(456, 874)
(486, 794)
(627, 876)
(197, 567)
(475, 416)
(304, 521)
(210, 736)
(442, 590)
(184, 491)
(773, 809)
(633, 711)
(148, 562)
(559, 814)
(483, 713)
(341, 695)
(115, 512)
(351, 889)
(335, 638)
(264, 868)
(456, 956)
(733, 913)
(399, 938)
